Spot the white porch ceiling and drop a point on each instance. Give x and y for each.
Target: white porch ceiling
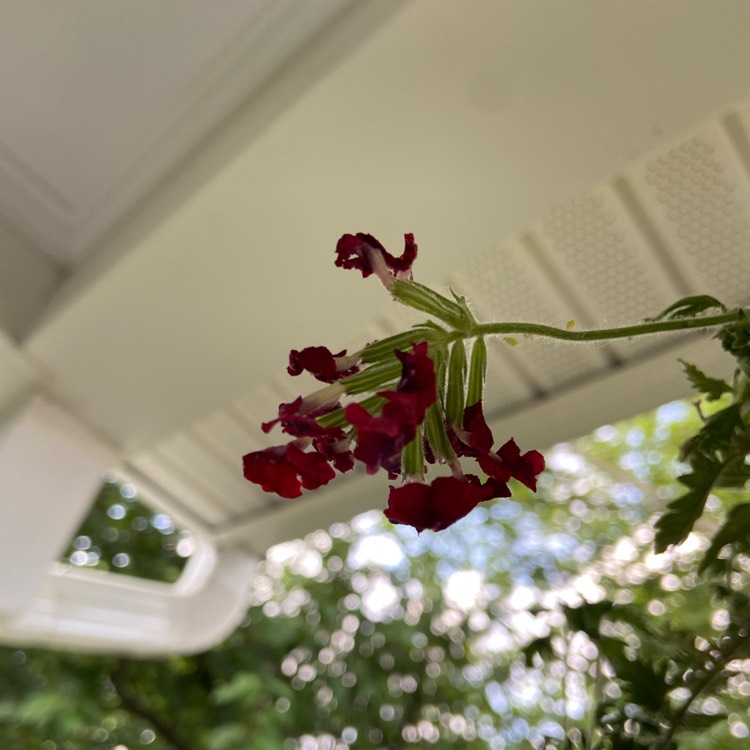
(174, 177)
(103, 99)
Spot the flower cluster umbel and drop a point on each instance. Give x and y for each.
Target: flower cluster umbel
(418, 400)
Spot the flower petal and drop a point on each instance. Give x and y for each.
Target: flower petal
(523, 468)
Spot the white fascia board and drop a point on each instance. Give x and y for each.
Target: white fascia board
(51, 466)
(93, 611)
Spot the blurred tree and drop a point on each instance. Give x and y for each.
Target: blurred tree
(541, 621)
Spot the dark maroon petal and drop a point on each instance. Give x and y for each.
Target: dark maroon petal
(401, 266)
(320, 362)
(343, 462)
(313, 468)
(285, 411)
(496, 488)
(523, 468)
(418, 374)
(352, 251)
(454, 498)
(410, 505)
(304, 425)
(270, 469)
(355, 251)
(493, 467)
(379, 438)
(436, 506)
(286, 469)
(416, 390)
(475, 431)
(337, 452)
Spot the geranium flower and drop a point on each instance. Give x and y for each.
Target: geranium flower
(435, 506)
(299, 424)
(523, 468)
(330, 442)
(382, 437)
(416, 390)
(286, 469)
(299, 417)
(322, 363)
(365, 254)
(475, 440)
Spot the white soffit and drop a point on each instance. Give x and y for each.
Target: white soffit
(102, 100)
(460, 127)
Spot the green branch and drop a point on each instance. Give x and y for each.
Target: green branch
(601, 334)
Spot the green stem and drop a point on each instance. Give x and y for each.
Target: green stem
(602, 334)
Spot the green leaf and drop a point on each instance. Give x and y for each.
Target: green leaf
(735, 338)
(713, 388)
(541, 646)
(688, 307)
(736, 530)
(244, 686)
(715, 437)
(587, 618)
(682, 513)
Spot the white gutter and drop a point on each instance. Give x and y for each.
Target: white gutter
(51, 466)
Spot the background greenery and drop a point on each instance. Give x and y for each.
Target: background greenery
(541, 621)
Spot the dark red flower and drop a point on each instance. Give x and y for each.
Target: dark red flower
(380, 438)
(523, 468)
(476, 433)
(434, 506)
(365, 254)
(417, 385)
(286, 469)
(338, 452)
(296, 421)
(322, 363)
(475, 440)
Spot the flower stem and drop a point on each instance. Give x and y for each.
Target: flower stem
(602, 334)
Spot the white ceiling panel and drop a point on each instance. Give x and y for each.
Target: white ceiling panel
(103, 99)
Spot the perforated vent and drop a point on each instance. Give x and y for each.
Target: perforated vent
(507, 285)
(593, 244)
(698, 195)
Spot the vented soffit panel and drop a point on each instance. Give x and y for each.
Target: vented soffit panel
(672, 224)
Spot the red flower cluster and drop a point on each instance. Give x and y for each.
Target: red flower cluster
(379, 442)
(449, 499)
(378, 438)
(381, 438)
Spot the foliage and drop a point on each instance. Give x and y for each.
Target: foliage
(718, 451)
(121, 534)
